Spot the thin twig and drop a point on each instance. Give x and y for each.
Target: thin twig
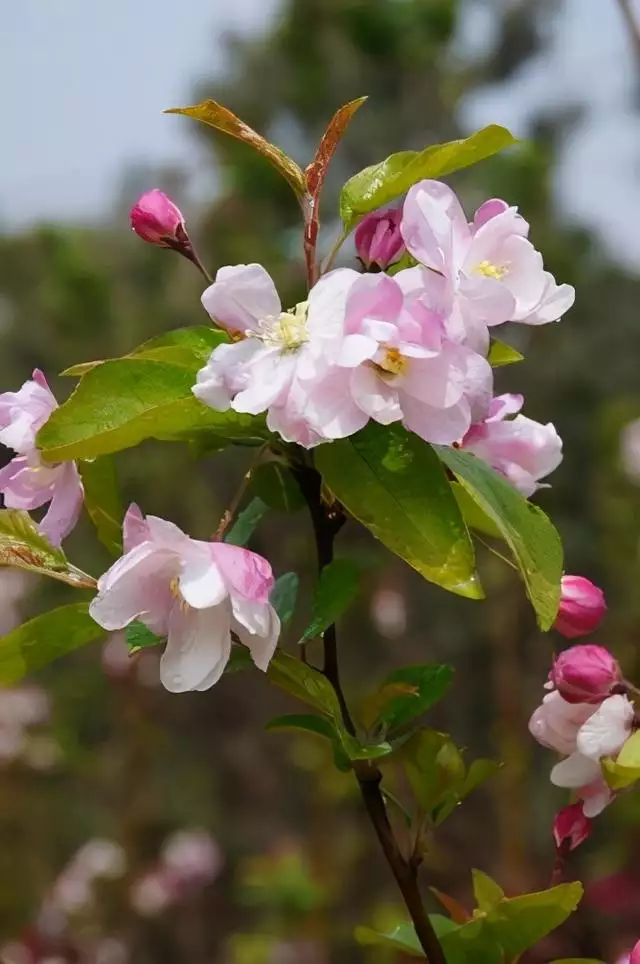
(229, 514)
(328, 262)
(327, 522)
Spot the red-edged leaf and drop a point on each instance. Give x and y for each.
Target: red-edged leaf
(316, 172)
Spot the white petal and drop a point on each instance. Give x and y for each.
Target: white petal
(263, 647)
(136, 584)
(607, 730)
(198, 648)
(355, 350)
(201, 583)
(575, 772)
(241, 296)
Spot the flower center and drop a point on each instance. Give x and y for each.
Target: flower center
(287, 331)
(489, 270)
(393, 362)
(174, 587)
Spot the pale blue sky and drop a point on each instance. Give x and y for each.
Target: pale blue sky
(83, 84)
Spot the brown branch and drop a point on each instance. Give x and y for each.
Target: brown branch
(327, 522)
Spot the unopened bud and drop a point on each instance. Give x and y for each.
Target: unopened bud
(571, 827)
(634, 957)
(378, 239)
(156, 219)
(582, 606)
(585, 674)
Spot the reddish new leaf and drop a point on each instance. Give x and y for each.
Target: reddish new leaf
(316, 172)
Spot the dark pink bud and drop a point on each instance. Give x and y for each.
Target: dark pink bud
(378, 239)
(635, 954)
(582, 606)
(156, 219)
(585, 674)
(571, 827)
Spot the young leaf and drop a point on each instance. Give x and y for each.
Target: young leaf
(485, 890)
(410, 691)
(215, 115)
(319, 726)
(316, 172)
(188, 347)
(120, 403)
(530, 535)
(284, 595)
(276, 486)
(381, 183)
(337, 587)
(625, 771)
(502, 354)
(23, 547)
(305, 683)
(246, 523)
(402, 938)
(521, 922)
(44, 639)
(138, 636)
(102, 501)
(434, 767)
(390, 480)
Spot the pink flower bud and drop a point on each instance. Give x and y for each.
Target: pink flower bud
(378, 239)
(585, 674)
(571, 827)
(635, 954)
(582, 606)
(156, 219)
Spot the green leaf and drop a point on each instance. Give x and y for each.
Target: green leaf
(485, 890)
(521, 922)
(502, 354)
(102, 501)
(215, 115)
(23, 547)
(284, 595)
(44, 639)
(381, 183)
(276, 486)
(434, 767)
(410, 691)
(305, 683)
(123, 402)
(246, 523)
(337, 587)
(528, 532)
(319, 726)
(138, 636)
(472, 513)
(401, 938)
(390, 480)
(479, 771)
(625, 771)
(188, 347)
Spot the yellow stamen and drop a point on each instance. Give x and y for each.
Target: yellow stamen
(490, 270)
(287, 331)
(394, 362)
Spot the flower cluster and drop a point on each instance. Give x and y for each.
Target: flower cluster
(189, 860)
(408, 348)
(27, 482)
(584, 720)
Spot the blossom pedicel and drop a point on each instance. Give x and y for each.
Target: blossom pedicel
(27, 482)
(195, 593)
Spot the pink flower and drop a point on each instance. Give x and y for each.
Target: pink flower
(192, 856)
(27, 482)
(603, 734)
(556, 723)
(522, 450)
(582, 606)
(571, 827)
(195, 593)
(585, 674)
(395, 362)
(263, 370)
(494, 271)
(156, 219)
(378, 239)
(635, 954)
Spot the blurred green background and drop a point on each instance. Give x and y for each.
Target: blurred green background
(212, 840)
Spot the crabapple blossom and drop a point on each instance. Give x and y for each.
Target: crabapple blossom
(195, 593)
(156, 219)
(556, 723)
(27, 482)
(378, 240)
(494, 272)
(585, 674)
(582, 606)
(522, 450)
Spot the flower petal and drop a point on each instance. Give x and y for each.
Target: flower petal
(245, 573)
(606, 731)
(198, 648)
(134, 528)
(137, 584)
(68, 496)
(241, 296)
(262, 647)
(575, 772)
(201, 583)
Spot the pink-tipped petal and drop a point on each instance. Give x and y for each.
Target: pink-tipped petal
(241, 297)
(66, 504)
(245, 573)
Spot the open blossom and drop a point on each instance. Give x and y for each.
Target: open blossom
(585, 674)
(522, 450)
(495, 273)
(362, 347)
(27, 482)
(585, 734)
(263, 370)
(195, 593)
(582, 607)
